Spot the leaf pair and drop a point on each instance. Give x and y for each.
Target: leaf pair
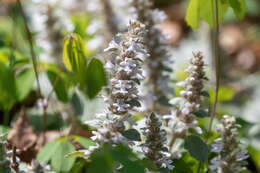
(206, 10)
(90, 75)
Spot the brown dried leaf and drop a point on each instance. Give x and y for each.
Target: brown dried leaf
(22, 135)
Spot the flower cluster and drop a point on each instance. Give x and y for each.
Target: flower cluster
(230, 156)
(154, 147)
(182, 118)
(126, 73)
(158, 69)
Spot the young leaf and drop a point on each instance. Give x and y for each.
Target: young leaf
(132, 134)
(58, 161)
(24, 83)
(74, 53)
(96, 77)
(197, 148)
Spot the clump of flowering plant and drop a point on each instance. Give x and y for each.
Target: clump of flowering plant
(154, 147)
(126, 72)
(157, 65)
(182, 119)
(230, 156)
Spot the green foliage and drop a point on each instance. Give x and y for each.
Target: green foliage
(58, 82)
(55, 153)
(197, 148)
(224, 94)
(58, 161)
(206, 10)
(255, 155)
(132, 134)
(24, 83)
(186, 164)
(77, 104)
(74, 53)
(109, 157)
(7, 87)
(95, 77)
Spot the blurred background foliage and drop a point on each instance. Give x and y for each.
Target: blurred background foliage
(74, 101)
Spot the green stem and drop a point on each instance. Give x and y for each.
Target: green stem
(215, 45)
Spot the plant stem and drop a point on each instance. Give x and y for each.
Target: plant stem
(30, 40)
(217, 62)
(215, 45)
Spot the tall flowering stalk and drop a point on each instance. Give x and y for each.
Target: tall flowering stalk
(154, 147)
(182, 118)
(158, 63)
(126, 74)
(230, 157)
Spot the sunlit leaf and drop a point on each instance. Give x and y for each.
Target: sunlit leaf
(224, 94)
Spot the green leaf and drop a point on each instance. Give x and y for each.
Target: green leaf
(201, 113)
(206, 10)
(192, 14)
(48, 151)
(84, 141)
(24, 83)
(255, 155)
(196, 147)
(96, 77)
(75, 154)
(79, 166)
(74, 53)
(132, 134)
(239, 7)
(7, 87)
(186, 164)
(77, 104)
(224, 94)
(58, 82)
(58, 161)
